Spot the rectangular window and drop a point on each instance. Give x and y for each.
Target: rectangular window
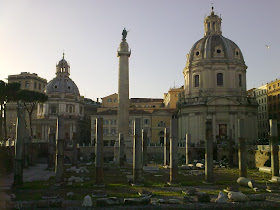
(240, 80)
(196, 81)
(113, 131)
(220, 79)
(146, 121)
(113, 122)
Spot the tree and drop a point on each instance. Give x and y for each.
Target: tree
(30, 100)
(8, 93)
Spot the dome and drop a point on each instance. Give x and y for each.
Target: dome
(214, 47)
(62, 83)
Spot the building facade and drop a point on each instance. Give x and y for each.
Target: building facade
(263, 126)
(215, 88)
(171, 98)
(154, 116)
(28, 81)
(273, 102)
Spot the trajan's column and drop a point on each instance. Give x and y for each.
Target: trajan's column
(123, 94)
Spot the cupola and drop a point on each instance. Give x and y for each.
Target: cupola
(212, 24)
(63, 67)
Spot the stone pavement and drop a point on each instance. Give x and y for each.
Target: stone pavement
(30, 174)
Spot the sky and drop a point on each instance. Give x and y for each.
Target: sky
(34, 34)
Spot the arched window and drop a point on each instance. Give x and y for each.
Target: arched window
(196, 81)
(220, 79)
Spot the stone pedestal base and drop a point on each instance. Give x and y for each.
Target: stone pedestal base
(275, 179)
(129, 152)
(116, 159)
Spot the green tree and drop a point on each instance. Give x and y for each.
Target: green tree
(30, 100)
(8, 93)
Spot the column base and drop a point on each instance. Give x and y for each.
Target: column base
(137, 185)
(208, 182)
(174, 184)
(275, 179)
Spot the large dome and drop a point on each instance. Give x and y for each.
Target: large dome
(63, 85)
(215, 46)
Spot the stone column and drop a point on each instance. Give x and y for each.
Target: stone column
(230, 149)
(188, 147)
(144, 148)
(74, 152)
(242, 159)
(166, 148)
(99, 152)
(19, 146)
(121, 150)
(173, 150)
(59, 150)
(209, 152)
(51, 145)
(123, 96)
(274, 151)
(137, 166)
(27, 149)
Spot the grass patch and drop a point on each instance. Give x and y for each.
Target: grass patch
(28, 196)
(36, 185)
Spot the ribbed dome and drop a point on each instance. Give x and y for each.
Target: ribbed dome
(215, 46)
(63, 85)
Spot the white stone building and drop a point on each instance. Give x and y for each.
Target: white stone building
(215, 88)
(63, 100)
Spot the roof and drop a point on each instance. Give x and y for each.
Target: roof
(142, 100)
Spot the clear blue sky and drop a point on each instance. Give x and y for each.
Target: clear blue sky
(34, 33)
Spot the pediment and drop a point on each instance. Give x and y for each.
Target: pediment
(222, 101)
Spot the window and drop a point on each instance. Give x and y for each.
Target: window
(220, 79)
(26, 84)
(109, 100)
(240, 80)
(196, 81)
(116, 100)
(113, 131)
(53, 110)
(113, 122)
(146, 121)
(105, 122)
(35, 85)
(105, 130)
(161, 124)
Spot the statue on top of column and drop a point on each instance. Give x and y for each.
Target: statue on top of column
(124, 34)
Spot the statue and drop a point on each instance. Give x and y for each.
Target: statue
(124, 34)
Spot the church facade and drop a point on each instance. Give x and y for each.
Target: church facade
(215, 88)
(64, 100)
